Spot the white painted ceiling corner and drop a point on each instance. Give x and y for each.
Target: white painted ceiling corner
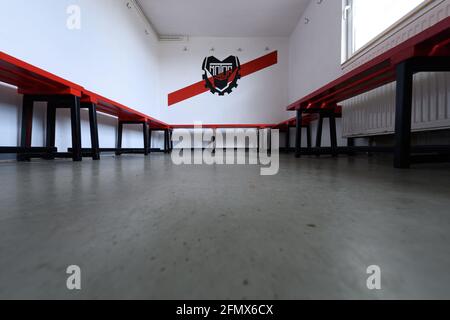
(149, 25)
(177, 20)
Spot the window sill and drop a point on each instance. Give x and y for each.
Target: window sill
(380, 44)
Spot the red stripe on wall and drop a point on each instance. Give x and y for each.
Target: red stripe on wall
(246, 69)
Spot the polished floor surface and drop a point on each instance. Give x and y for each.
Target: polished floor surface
(148, 229)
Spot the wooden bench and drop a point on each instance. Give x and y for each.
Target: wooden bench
(428, 51)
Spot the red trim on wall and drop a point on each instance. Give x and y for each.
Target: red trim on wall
(246, 69)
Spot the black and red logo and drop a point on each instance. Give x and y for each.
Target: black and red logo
(221, 76)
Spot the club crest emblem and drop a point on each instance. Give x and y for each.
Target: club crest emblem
(221, 76)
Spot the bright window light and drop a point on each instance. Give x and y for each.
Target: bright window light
(366, 19)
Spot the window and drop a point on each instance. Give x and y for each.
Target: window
(364, 20)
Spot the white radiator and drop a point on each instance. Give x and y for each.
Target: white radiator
(373, 113)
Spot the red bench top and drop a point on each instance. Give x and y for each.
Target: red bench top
(435, 41)
(306, 120)
(120, 111)
(32, 80)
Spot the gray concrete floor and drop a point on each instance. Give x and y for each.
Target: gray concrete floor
(144, 228)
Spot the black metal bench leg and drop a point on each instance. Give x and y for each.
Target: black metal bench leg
(166, 141)
(269, 141)
(76, 129)
(298, 134)
(214, 139)
(308, 132)
(351, 144)
(94, 131)
(50, 129)
(371, 143)
(333, 135)
(171, 140)
(258, 140)
(403, 115)
(150, 132)
(319, 133)
(27, 125)
(119, 138)
(288, 139)
(146, 137)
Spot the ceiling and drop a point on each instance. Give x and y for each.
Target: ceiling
(230, 18)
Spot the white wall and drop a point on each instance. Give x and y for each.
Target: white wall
(259, 98)
(314, 56)
(315, 49)
(110, 55)
(113, 56)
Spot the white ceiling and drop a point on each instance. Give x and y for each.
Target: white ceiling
(226, 18)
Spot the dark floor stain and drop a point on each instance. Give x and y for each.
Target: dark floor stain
(312, 225)
(245, 282)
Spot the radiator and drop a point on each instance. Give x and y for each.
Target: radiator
(373, 113)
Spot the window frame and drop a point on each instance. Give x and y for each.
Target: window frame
(348, 49)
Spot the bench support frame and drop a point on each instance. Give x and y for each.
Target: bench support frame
(93, 124)
(145, 133)
(404, 99)
(25, 151)
(323, 114)
(147, 137)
